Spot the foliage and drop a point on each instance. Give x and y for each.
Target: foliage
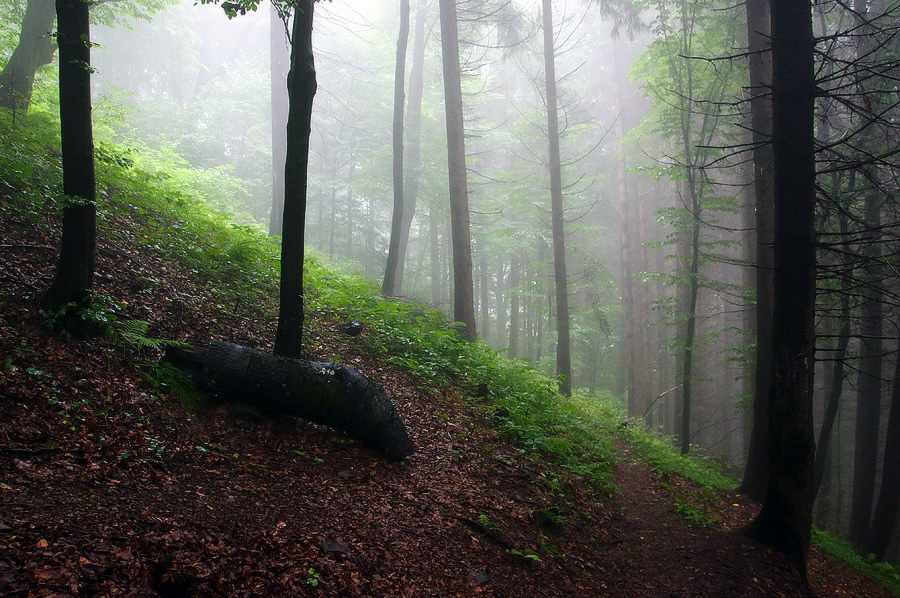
(843, 551)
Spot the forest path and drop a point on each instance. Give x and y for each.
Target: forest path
(669, 546)
(665, 555)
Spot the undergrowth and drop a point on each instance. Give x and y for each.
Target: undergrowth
(240, 263)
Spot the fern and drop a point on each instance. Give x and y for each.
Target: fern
(133, 333)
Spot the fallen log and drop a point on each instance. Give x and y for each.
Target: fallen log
(332, 394)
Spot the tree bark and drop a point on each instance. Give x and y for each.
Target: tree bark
(885, 516)
(513, 308)
(463, 292)
(279, 63)
(412, 170)
(563, 343)
(868, 402)
(786, 517)
(75, 272)
(753, 483)
(389, 285)
(35, 49)
(301, 91)
(332, 394)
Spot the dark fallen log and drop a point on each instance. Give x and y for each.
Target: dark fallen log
(331, 394)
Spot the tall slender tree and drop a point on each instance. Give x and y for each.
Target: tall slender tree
(759, 26)
(885, 517)
(785, 519)
(389, 286)
(463, 291)
(301, 91)
(557, 214)
(75, 273)
(412, 164)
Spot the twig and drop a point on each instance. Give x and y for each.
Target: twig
(14, 450)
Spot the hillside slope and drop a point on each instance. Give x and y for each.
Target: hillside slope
(111, 487)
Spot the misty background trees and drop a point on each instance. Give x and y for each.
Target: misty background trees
(613, 177)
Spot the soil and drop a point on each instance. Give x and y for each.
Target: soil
(108, 488)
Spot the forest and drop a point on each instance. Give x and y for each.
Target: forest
(449, 298)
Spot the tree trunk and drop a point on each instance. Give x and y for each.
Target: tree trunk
(484, 291)
(463, 293)
(868, 402)
(636, 404)
(75, 271)
(389, 285)
(414, 145)
(34, 50)
(563, 343)
(785, 519)
(513, 308)
(837, 366)
(759, 28)
(301, 91)
(332, 394)
(885, 517)
(279, 59)
(435, 258)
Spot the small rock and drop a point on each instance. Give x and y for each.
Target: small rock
(332, 546)
(482, 578)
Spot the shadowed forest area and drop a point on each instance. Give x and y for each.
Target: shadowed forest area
(449, 298)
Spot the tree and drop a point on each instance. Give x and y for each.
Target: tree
(563, 344)
(889, 495)
(34, 50)
(785, 519)
(753, 483)
(868, 402)
(301, 91)
(75, 271)
(463, 292)
(36, 46)
(412, 165)
(389, 285)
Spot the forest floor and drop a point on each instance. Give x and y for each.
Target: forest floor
(109, 489)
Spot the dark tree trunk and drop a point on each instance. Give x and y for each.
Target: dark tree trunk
(301, 91)
(563, 343)
(389, 285)
(785, 519)
(889, 495)
(279, 63)
(837, 381)
(636, 403)
(332, 394)
(868, 402)
(759, 27)
(34, 50)
(75, 272)
(463, 293)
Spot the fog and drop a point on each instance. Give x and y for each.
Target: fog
(657, 183)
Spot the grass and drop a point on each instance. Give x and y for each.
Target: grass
(842, 551)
